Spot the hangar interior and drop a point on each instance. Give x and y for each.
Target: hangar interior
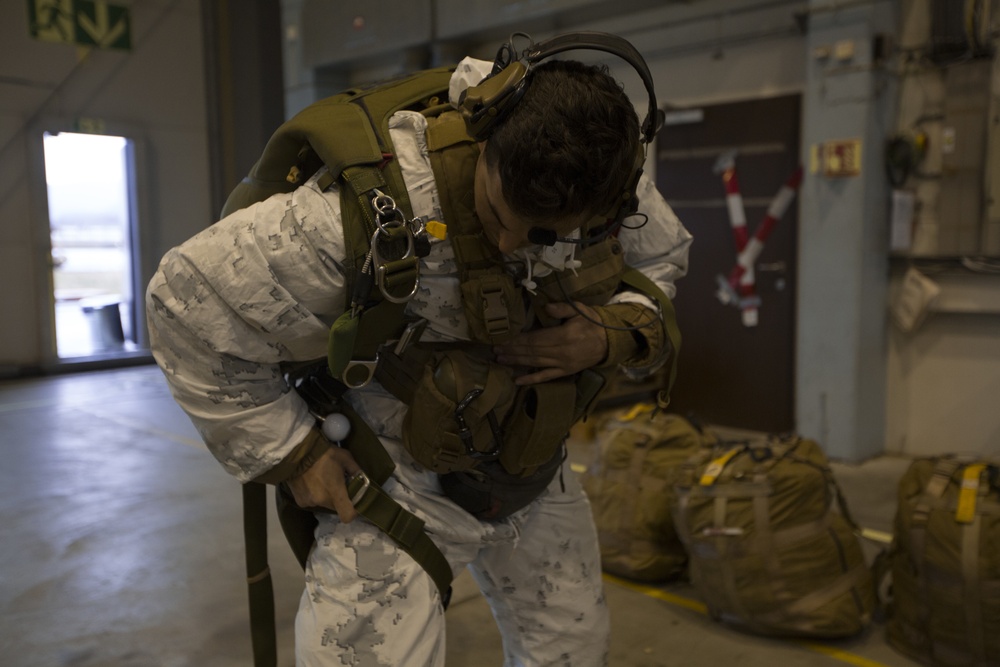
(873, 327)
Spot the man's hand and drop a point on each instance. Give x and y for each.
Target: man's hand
(569, 347)
(324, 483)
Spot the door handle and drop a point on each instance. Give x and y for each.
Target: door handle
(772, 267)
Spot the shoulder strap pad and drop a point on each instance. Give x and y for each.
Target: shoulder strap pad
(347, 130)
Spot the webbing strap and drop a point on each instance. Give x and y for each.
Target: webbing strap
(765, 543)
(934, 490)
(634, 278)
(742, 490)
(378, 507)
(787, 536)
(971, 600)
(814, 600)
(405, 529)
(723, 550)
(717, 465)
(259, 587)
(681, 516)
(968, 491)
(634, 479)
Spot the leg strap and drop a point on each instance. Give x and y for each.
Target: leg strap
(405, 529)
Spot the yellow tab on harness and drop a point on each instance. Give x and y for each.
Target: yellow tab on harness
(637, 409)
(716, 466)
(437, 229)
(966, 511)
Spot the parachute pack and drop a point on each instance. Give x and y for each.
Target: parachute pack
(630, 484)
(945, 563)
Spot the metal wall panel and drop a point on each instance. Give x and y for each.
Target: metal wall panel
(346, 30)
(462, 17)
(966, 104)
(991, 223)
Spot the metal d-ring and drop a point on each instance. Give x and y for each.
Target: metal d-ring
(386, 211)
(380, 269)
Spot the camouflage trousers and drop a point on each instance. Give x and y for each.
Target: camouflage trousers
(367, 603)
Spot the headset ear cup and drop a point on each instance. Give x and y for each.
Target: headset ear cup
(483, 105)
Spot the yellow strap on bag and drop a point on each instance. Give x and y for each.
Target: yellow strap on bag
(637, 409)
(966, 511)
(717, 465)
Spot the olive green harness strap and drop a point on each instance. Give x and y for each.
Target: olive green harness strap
(405, 529)
(349, 134)
(634, 278)
(491, 300)
(374, 504)
(259, 587)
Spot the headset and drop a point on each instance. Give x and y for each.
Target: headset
(485, 105)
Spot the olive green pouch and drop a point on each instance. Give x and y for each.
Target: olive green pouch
(458, 408)
(538, 426)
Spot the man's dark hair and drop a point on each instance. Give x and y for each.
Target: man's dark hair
(569, 145)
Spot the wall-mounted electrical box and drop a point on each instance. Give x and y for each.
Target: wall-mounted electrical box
(836, 158)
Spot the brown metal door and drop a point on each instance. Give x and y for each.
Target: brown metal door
(731, 374)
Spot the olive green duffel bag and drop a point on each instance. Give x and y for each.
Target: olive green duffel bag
(945, 563)
(769, 551)
(630, 487)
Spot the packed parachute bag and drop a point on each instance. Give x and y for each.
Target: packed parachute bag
(945, 563)
(772, 547)
(638, 452)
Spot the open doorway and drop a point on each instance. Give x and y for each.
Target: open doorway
(93, 233)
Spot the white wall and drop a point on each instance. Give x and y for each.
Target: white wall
(944, 377)
(154, 94)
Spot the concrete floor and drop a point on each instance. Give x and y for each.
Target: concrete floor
(122, 547)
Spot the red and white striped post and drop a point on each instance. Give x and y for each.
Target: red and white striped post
(740, 288)
(751, 251)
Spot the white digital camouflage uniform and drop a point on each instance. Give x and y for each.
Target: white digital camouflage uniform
(261, 288)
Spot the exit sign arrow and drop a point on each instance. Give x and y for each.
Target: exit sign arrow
(103, 25)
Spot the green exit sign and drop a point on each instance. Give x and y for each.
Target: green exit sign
(81, 22)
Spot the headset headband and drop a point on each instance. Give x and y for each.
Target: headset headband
(489, 102)
(602, 41)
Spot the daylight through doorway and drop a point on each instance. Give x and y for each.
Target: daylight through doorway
(90, 225)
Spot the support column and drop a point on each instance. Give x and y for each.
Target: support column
(843, 237)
